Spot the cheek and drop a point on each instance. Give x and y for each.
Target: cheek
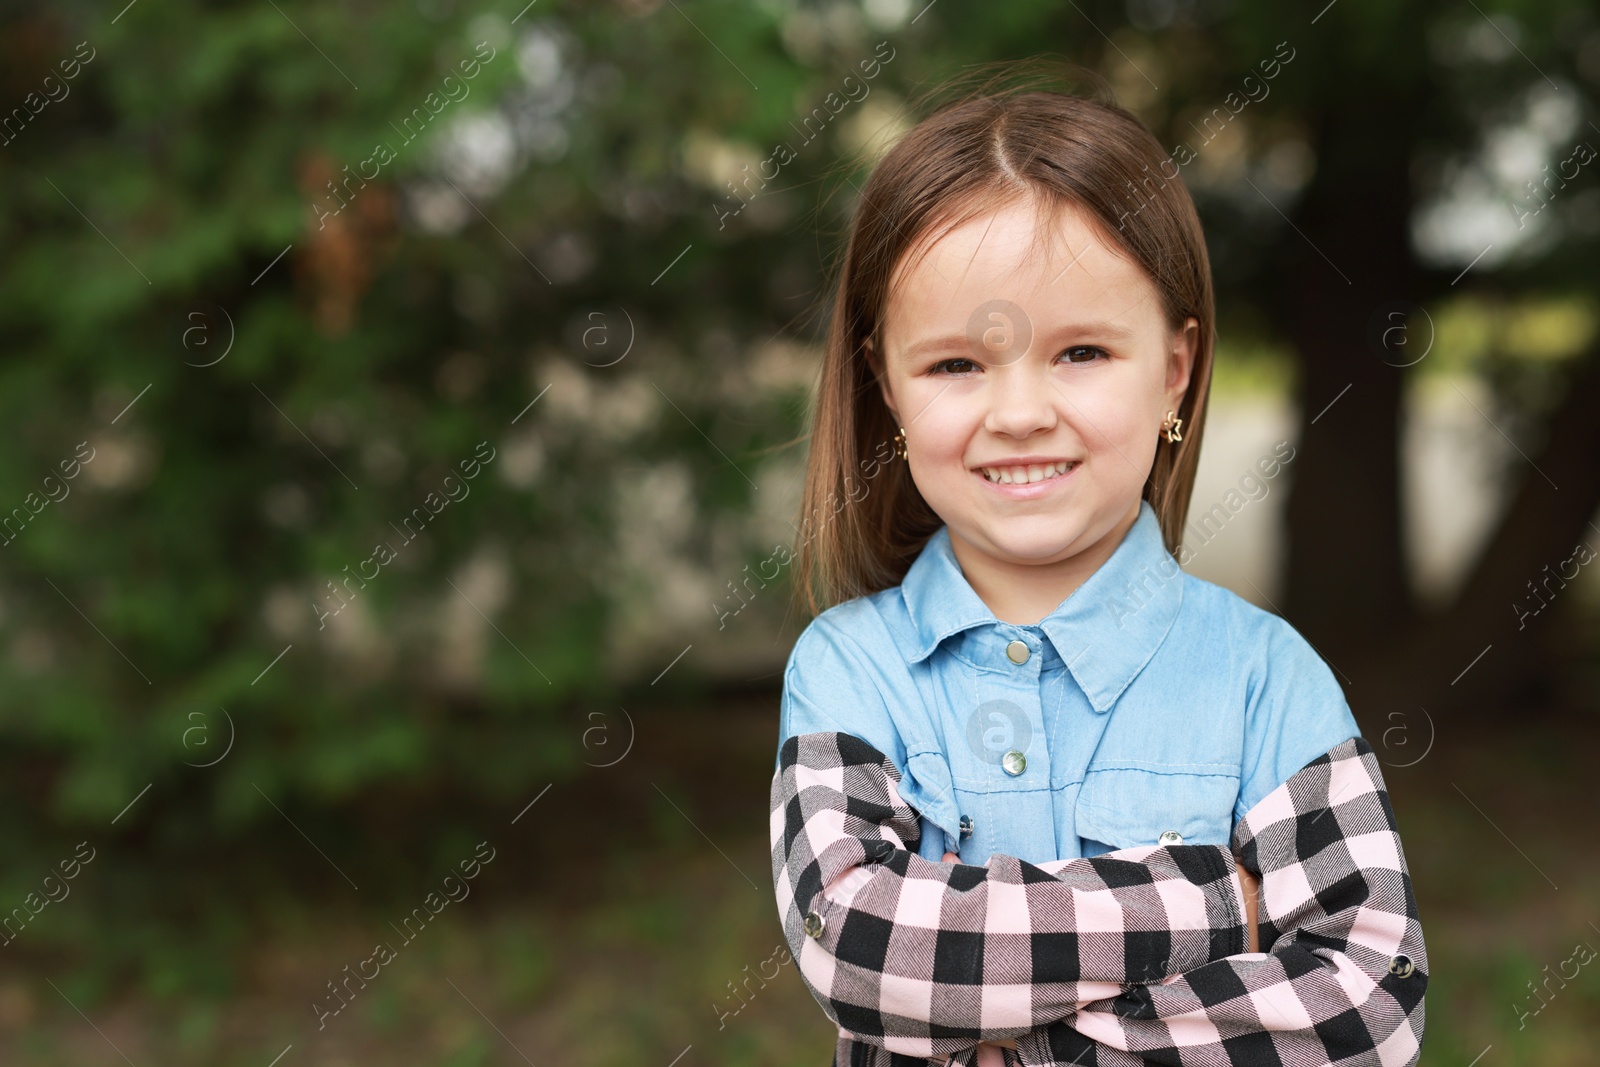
(1115, 411)
(1113, 425)
(1119, 437)
(938, 441)
(945, 420)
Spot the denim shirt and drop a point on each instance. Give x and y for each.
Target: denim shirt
(1149, 702)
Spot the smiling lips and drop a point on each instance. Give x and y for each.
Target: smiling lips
(1026, 473)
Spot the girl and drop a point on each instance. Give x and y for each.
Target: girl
(1029, 771)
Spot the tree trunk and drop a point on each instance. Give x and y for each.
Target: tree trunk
(1346, 587)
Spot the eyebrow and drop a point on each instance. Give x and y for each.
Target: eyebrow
(1108, 330)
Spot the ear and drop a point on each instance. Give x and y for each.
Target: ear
(1180, 361)
(883, 382)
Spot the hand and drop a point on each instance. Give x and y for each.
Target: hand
(989, 1054)
(1252, 892)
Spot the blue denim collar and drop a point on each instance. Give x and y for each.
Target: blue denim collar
(1105, 631)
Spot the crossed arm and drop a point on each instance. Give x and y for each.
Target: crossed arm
(1140, 952)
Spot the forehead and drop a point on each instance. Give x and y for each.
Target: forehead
(1054, 263)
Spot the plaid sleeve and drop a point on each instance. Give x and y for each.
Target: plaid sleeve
(1345, 969)
(927, 959)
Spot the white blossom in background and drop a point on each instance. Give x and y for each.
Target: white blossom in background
(435, 207)
(539, 58)
(568, 390)
(874, 126)
(122, 461)
(659, 590)
(546, 61)
(566, 256)
(625, 408)
(478, 152)
(712, 160)
(521, 459)
(887, 15)
(288, 610)
(365, 652)
(1288, 165)
(482, 588)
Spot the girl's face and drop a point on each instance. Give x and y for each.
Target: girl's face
(1032, 388)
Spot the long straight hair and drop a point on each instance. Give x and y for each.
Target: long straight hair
(863, 520)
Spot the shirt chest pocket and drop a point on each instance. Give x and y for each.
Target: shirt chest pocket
(1124, 807)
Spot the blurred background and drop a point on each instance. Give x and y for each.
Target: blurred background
(401, 401)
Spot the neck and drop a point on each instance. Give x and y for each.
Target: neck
(1021, 592)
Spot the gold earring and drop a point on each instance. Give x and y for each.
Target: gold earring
(900, 443)
(1171, 425)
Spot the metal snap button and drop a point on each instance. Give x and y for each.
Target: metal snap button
(1171, 837)
(966, 826)
(1402, 967)
(813, 924)
(1014, 762)
(1017, 652)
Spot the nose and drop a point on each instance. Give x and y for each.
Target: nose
(1021, 400)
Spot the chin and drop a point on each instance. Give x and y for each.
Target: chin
(1039, 539)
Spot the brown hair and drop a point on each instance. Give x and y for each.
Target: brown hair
(989, 147)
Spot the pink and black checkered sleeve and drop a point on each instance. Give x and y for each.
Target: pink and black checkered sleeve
(927, 959)
(1128, 958)
(1344, 971)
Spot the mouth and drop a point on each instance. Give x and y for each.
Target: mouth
(1027, 473)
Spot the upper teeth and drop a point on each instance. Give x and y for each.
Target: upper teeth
(1036, 472)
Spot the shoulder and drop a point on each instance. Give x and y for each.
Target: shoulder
(842, 670)
(867, 628)
(849, 673)
(1265, 646)
(1294, 707)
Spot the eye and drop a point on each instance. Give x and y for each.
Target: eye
(957, 365)
(1084, 353)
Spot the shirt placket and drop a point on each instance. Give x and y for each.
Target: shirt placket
(1010, 660)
